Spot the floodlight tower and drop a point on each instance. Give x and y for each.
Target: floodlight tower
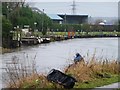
(73, 7)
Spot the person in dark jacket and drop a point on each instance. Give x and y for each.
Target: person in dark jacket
(77, 58)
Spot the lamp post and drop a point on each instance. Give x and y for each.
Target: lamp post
(90, 28)
(35, 29)
(7, 10)
(65, 31)
(78, 32)
(17, 33)
(81, 27)
(65, 24)
(35, 25)
(18, 36)
(42, 20)
(14, 38)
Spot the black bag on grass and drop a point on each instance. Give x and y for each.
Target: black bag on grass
(61, 78)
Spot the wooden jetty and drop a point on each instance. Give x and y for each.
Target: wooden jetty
(34, 40)
(31, 40)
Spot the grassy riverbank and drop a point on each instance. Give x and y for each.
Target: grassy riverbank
(40, 81)
(95, 73)
(8, 50)
(98, 82)
(90, 74)
(4, 50)
(80, 33)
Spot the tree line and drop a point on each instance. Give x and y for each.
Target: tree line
(85, 27)
(18, 14)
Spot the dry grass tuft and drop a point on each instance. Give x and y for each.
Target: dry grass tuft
(86, 71)
(23, 74)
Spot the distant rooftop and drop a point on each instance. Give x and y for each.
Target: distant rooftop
(74, 15)
(36, 9)
(102, 23)
(54, 16)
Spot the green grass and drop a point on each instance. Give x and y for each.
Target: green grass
(98, 82)
(118, 89)
(66, 33)
(90, 33)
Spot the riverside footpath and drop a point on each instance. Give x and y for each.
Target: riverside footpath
(113, 86)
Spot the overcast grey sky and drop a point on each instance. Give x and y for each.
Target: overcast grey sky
(94, 9)
(71, 0)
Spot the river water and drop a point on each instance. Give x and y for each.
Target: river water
(59, 54)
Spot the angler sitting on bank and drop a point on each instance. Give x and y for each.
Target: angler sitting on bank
(78, 58)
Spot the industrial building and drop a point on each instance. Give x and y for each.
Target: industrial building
(55, 18)
(64, 18)
(74, 19)
(68, 19)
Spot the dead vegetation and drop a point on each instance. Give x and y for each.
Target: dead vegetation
(23, 73)
(86, 71)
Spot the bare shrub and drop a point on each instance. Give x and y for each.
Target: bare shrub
(17, 70)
